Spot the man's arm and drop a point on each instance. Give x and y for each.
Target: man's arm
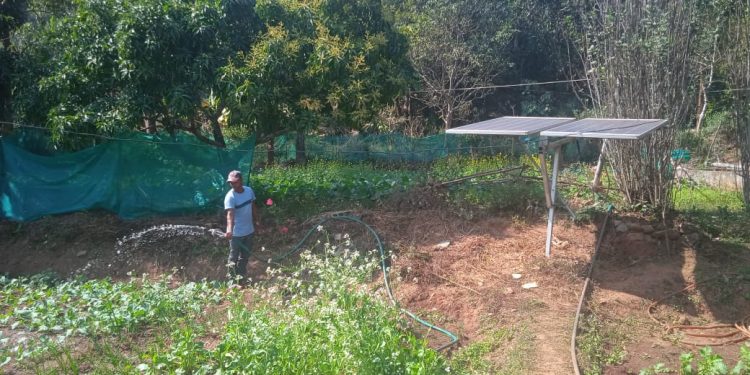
(230, 223)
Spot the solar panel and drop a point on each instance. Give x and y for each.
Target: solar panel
(605, 128)
(509, 125)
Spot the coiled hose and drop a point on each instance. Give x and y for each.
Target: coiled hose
(453, 339)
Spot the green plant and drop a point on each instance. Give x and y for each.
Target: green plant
(599, 345)
(301, 191)
(710, 363)
(511, 344)
(658, 368)
(314, 316)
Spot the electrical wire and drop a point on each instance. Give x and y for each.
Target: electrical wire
(507, 86)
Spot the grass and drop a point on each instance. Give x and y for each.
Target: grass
(718, 212)
(503, 350)
(601, 343)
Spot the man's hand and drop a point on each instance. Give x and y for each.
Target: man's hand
(228, 235)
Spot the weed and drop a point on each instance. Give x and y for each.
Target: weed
(513, 345)
(658, 368)
(710, 363)
(600, 345)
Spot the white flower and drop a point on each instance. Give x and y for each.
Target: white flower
(320, 228)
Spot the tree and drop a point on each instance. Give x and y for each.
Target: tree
(456, 48)
(328, 63)
(11, 17)
(737, 61)
(636, 56)
(114, 64)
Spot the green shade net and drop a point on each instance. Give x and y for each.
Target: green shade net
(139, 176)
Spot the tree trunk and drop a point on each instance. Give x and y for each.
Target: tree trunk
(149, 125)
(300, 155)
(271, 153)
(702, 105)
(217, 133)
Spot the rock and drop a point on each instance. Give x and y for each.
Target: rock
(443, 245)
(81, 253)
(508, 290)
(621, 228)
(530, 285)
(516, 276)
(617, 222)
(647, 228)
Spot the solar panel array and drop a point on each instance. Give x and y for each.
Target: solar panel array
(603, 128)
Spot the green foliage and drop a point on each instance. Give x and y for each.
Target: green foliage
(327, 63)
(109, 65)
(710, 363)
(719, 212)
(491, 192)
(300, 191)
(514, 344)
(315, 318)
(599, 346)
(57, 311)
(658, 368)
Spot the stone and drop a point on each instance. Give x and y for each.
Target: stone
(508, 290)
(647, 228)
(621, 228)
(443, 245)
(81, 253)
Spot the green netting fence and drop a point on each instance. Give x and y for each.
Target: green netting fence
(145, 175)
(138, 176)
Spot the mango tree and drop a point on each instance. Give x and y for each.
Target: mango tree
(327, 64)
(110, 65)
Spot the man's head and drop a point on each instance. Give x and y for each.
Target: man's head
(234, 177)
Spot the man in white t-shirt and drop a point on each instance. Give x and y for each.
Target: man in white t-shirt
(242, 221)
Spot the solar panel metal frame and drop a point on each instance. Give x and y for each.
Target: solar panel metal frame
(605, 128)
(511, 125)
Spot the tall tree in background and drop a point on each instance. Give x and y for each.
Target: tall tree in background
(329, 63)
(456, 47)
(737, 62)
(115, 64)
(12, 14)
(636, 55)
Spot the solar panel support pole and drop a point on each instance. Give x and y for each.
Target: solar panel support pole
(543, 169)
(553, 194)
(599, 165)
